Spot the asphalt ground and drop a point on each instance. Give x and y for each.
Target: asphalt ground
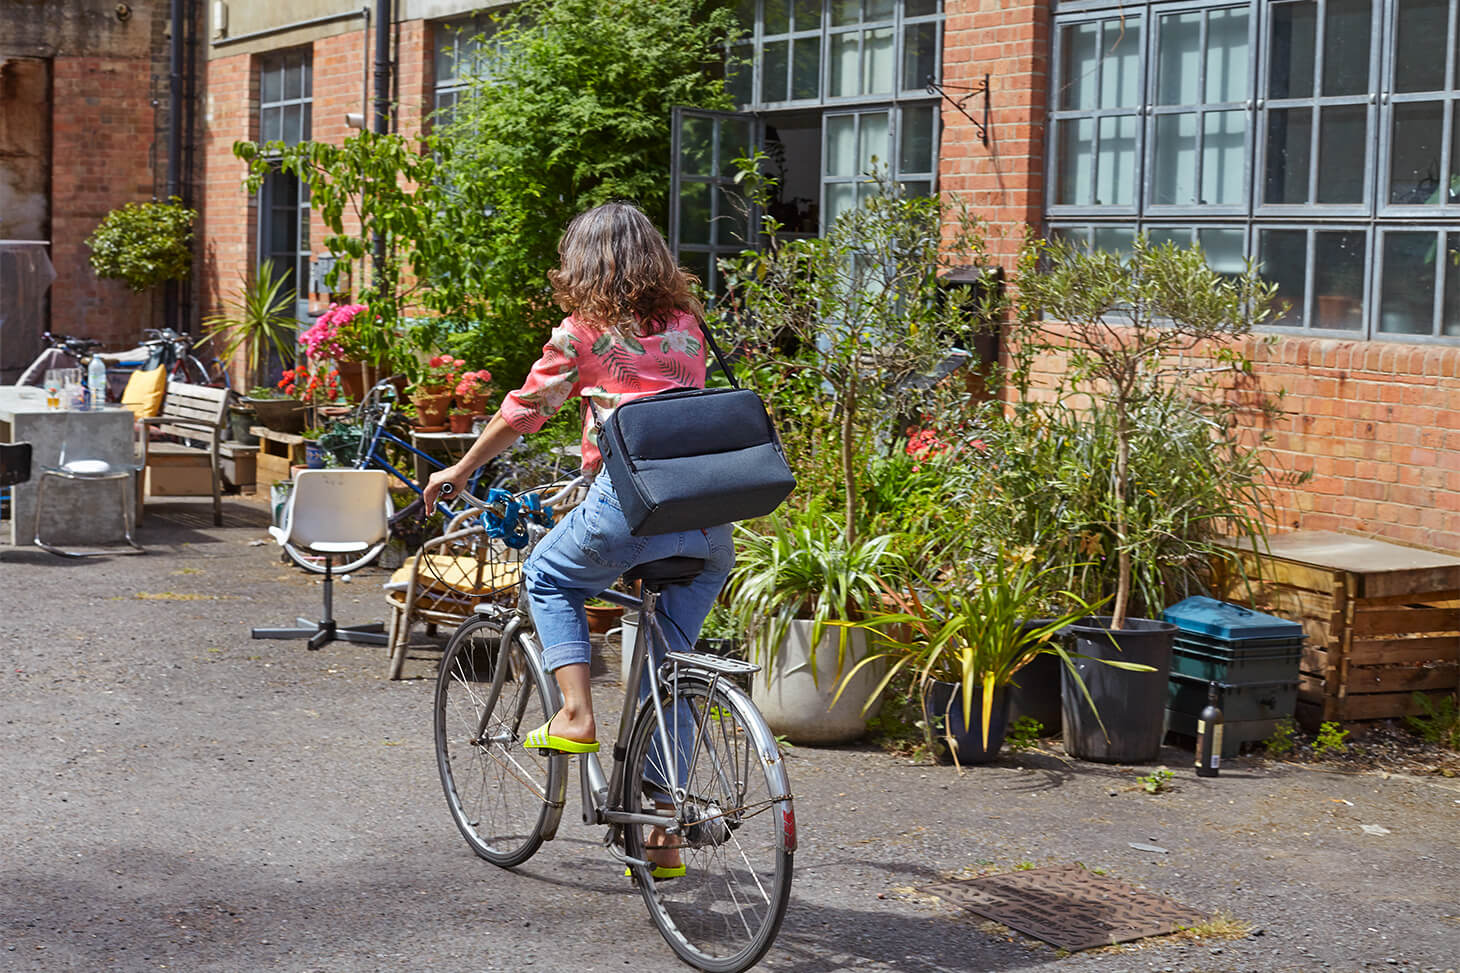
(178, 796)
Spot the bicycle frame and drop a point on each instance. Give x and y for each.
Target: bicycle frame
(599, 800)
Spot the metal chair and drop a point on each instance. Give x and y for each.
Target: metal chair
(333, 513)
(14, 468)
(89, 470)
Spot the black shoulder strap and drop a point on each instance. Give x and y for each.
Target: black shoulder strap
(705, 329)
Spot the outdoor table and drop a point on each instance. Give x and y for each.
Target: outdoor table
(79, 512)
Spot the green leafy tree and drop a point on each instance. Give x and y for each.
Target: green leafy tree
(575, 112)
(144, 244)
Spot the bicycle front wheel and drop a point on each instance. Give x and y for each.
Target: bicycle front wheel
(499, 793)
(734, 824)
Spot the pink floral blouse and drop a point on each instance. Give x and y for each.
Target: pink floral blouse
(607, 369)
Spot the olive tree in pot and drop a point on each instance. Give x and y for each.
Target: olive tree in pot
(1150, 464)
(789, 588)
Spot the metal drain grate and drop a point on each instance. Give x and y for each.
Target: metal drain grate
(1068, 907)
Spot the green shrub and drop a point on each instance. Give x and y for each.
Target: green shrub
(1439, 722)
(1331, 740)
(1281, 741)
(144, 244)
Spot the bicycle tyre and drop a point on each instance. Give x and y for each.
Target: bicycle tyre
(498, 792)
(315, 564)
(738, 830)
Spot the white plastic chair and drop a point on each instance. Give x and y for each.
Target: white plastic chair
(332, 513)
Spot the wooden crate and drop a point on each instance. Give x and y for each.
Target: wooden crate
(1382, 621)
(279, 453)
(239, 464)
(177, 471)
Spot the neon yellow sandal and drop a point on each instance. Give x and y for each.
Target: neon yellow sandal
(541, 739)
(660, 872)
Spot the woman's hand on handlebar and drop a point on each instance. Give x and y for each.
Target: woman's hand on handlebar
(453, 478)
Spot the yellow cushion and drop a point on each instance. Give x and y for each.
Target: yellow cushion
(442, 572)
(145, 391)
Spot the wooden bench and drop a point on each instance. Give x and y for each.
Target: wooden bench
(187, 462)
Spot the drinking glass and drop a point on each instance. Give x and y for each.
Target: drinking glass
(53, 388)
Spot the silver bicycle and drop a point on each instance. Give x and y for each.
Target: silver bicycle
(695, 766)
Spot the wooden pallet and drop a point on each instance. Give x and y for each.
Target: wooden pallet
(1382, 621)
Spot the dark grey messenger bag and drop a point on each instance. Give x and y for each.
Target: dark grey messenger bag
(692, 458)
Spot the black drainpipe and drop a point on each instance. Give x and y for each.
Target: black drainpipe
(382, 98)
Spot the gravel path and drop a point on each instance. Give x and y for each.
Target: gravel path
(181, 797)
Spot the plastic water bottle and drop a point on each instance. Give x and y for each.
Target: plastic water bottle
(96, 382)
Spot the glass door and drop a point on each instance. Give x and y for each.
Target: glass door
(709, 217)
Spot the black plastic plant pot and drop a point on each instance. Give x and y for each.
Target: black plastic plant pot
(1035, 692)
(1132, 705)
(943, 717)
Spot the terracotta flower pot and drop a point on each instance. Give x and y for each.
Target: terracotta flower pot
(460, 421)
(431, 407)
(601, 618)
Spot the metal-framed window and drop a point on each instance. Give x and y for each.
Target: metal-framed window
(465, 50)
(1322, 133)
(285, 102)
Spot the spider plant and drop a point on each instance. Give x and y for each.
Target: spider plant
(261, 320)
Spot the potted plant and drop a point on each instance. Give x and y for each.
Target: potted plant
(602, 615)
(430, 391)
(1145, 470)
(787, 591)
(144, 244)
(964, 636)
(259, 322)
(472, 389)
(336, 336)
(459, 420)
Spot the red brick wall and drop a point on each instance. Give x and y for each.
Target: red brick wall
(102, 156)
(229, 220)
(1002, 182)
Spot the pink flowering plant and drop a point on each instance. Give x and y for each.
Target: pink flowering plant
(438, 374)
(333, 335)
(471, 390)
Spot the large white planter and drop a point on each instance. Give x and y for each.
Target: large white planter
(798, 706)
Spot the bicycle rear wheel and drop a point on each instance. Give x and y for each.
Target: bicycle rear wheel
(499, 793)
(737, 828)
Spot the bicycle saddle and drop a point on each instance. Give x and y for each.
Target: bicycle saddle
(666, 571)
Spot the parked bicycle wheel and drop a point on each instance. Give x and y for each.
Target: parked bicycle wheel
(310, 562)
(737, 829)
(498, 792)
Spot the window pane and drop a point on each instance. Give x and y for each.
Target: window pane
(271, 83)
(1116, 167)
(735, 143)
(844, 57)
(808, 14)
(271, 122)
(697, 263)
(919, 54)
(1450, 322)
(1179, 235)
(1407, 302)
(1419, 54)
(879, 9)
(1454, 191)
(845, 12)
(1178, 68)
(880, 70)
(1282, 261)
(915, 153)
(731, 227)
(745, 13)
(1414, 168)
(291, 125)
(696, 142)
(1228, 58)
(1224, 250)
(917, 187)
(1290, 50)
(1338, 279)
(1223, 157)
(305, 118)
(1114, 239)
(1073, 234)
(840, 197)
(739, 74)
(806, 68)
(1346, 29)
(841, 145)
(1174, 181)
(1343, 131)
(774, 67)
(1080, 70)
(917, 8)
(1289, 147)
(294, 80)
(1075, 139)
(694, 212)
(445, 55)
(1120, 69)
(876, 149)
(777, 16)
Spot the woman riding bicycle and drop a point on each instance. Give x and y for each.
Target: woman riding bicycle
(632, 330)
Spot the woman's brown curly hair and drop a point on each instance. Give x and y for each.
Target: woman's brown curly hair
(616, 272)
